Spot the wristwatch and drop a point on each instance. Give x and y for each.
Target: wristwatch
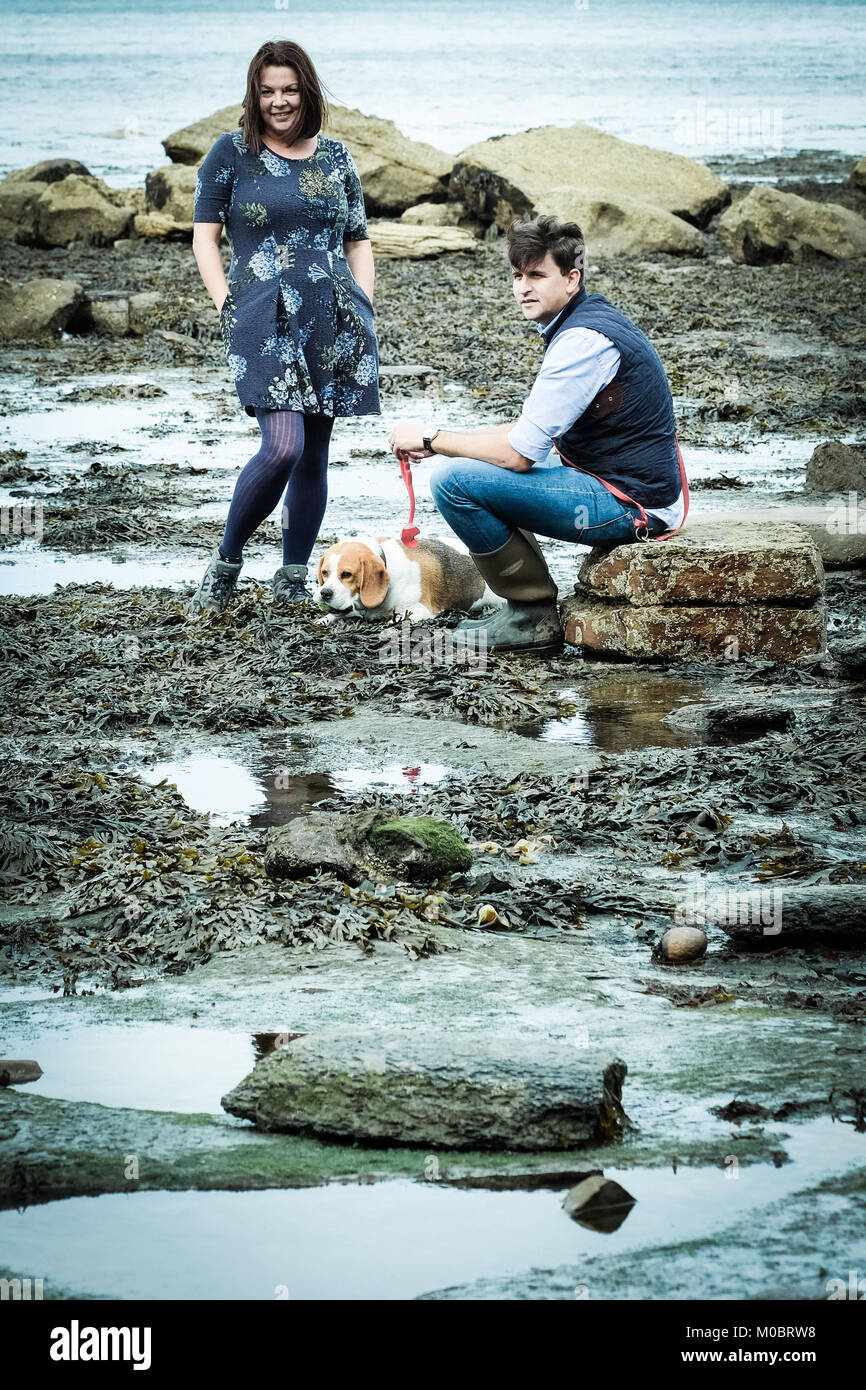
(427, 440)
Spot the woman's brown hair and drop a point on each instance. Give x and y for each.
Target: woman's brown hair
(314, 109)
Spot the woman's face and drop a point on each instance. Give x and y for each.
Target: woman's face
(280, 100)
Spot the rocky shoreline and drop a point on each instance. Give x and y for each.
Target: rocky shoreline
(745, 779)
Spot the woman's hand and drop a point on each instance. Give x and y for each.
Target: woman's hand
(205, 248)
(359, 255)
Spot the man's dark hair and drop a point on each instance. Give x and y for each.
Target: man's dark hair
(313, 111)
(529, 243)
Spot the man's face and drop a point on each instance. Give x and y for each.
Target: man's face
(542, 290)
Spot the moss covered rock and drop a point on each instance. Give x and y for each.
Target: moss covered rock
(428, 846)
(366, 846)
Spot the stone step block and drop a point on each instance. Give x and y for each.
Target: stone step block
(708, 632)
(711, 563)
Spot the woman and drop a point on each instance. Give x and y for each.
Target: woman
(296, 313)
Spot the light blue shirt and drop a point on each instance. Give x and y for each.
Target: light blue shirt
(576, 366)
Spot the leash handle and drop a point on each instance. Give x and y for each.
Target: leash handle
(410, 533)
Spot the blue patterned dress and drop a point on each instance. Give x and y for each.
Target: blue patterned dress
(297, 328)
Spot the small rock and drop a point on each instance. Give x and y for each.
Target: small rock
(109, 314)
(143, 311)
(599, 1202)
(858, 174)
(16, 1073)
(435, 214)
(682, 944)
(746, 720)
(430, 847)
(836, 467)
(851, 656)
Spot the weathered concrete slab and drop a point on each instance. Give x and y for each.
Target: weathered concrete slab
(712, 632)
(726, 563)
(837, 526)
(452, 1090)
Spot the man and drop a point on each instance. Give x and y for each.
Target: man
(603, 399)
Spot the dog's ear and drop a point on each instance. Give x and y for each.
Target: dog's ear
(373, 584)
(319, 571)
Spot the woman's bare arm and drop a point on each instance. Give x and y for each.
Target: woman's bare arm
(206, 249)
(359, 254)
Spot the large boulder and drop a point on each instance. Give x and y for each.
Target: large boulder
(170, 191)
(83, 210)
(38, 309)
(190, 144)
(395, 171)
(20, 192)
(470, 1090)
(836, 467)
(617, 225)
(769, 226)
(626, 194)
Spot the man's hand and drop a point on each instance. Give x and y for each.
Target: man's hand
(407, 437)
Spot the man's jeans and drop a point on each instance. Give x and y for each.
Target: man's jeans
(484, 503)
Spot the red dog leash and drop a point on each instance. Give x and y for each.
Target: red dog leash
(641, 523)
(409, 533)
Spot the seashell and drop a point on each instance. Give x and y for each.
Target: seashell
(681, 944)
(487, 914)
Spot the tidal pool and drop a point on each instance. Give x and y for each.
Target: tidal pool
(385, 1240)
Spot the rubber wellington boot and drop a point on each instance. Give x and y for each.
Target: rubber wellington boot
(218, 585)
(518, 572)
(289, 585)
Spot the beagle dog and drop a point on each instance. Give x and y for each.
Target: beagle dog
(377, 577)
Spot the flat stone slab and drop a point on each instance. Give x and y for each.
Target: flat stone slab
(731, 562)
(712, 632)
(450, 1090)
(401, 240)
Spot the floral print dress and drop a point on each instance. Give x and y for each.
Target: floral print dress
(297, 328)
